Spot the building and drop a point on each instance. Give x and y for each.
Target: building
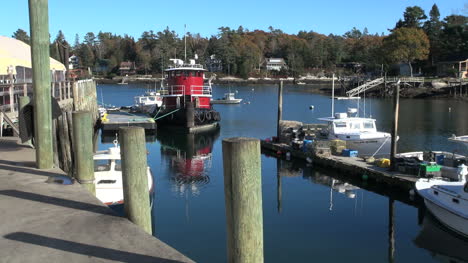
(276, 64)
(73, 62)
(214, 64)
(127, 68)
(457, 69)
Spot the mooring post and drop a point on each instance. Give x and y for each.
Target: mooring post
(23, 101)
(190, 114)
(396, 108)
(39, 28)
(243, 199)
(280, 110)
(83, 144)
(134, 176)
(391, 231)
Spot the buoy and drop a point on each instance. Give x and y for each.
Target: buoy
(309, 160)
(278, 152)
(450, 109)
(365, 177)
(288, 156)
(253, 89)
(411, 192)
(311, 107)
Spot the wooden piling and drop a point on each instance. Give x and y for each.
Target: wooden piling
(189, 114)
(82, 135)
(39, 28)
(23, 101)
(396, 108)
(134, 176)
(243, 198)
(280, 109)
(391, 231)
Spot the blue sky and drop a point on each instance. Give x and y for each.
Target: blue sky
(206, 16)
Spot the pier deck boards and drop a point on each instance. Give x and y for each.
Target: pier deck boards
(49, 222)
(117, 119)
(352, 166)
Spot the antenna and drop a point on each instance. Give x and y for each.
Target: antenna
(333, 96)
(185, 40)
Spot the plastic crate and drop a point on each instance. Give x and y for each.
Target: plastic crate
(349, 153)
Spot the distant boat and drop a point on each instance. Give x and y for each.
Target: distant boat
(148, 102)
(300, 83)
(227, 99)
(460, 139)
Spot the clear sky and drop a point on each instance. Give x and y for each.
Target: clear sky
(206, 16)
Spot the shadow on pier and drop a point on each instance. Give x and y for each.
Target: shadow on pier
(84, 249)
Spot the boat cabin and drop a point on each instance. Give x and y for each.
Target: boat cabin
(185, 82)
(341, 124)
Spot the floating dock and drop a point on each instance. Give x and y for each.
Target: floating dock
(116, 119)
(45, 220)
(351, 166)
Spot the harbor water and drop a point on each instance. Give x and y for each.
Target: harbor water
(310, 214)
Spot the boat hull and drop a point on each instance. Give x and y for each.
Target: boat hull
(369, 147)
(236, 101)
(451, 220)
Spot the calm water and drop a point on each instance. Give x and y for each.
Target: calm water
(310, 214)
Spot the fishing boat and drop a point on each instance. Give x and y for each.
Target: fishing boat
(463, 140)
(229, 98)
(148, 102)
(186, 99)
(359, 133)
(447, 200)
(108, 176)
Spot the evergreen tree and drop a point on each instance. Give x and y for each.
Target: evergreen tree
(20, 34)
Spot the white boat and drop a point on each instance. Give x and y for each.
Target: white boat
(460, 139)
(227, 99)
(148, 102)
(359, 133)
(108, 176)
(447, 200)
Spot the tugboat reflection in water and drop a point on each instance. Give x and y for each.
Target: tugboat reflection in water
(189, 158)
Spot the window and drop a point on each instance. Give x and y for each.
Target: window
(340, 125)
(368, 125)
(101, 165)
(356, 125)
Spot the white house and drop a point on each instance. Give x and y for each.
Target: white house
(275, 64)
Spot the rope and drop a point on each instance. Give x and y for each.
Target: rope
(165, 114)
(386, 139)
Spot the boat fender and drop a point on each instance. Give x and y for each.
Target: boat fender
(411, 192)
(208, 115)
(278, 152)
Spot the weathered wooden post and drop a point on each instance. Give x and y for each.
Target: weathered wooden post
(243, 198)
(82, 139)
(280, 110)
(134, 176)
(23, 101)
(391, 231)
(39, 28)
(396, 108)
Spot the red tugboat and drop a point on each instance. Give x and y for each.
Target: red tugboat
(186, 99)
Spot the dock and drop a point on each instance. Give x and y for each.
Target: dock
(116, 119)
(44, 220)
(350, 166)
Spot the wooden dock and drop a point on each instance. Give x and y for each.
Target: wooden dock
(350, 166)
(44, 220)
(116, 119)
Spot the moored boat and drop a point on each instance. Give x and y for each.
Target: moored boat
(186, 99)
(447, 200)
(148, 102)
(463, 140)
(229, 98)
(108, 176)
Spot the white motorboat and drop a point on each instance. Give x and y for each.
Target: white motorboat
(359, 133)
(229, 98)
(460, 139)
(148, 102)
(447, 200)
(108, 176)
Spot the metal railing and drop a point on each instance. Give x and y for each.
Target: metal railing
(200, 90)
(179, 90)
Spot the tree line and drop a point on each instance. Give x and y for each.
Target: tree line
(417, 39)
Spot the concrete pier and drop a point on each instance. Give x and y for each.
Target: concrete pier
(45, 221)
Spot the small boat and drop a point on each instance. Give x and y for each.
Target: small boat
(227, 99)
(300, 83)
(148, 102)
(347, 98)
(123, 81)
(460, 139)
(447, 200)
(108, 176)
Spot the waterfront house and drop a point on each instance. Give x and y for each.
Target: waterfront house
(458, 69)
(73, 62)
(127, 68)
(276, 64)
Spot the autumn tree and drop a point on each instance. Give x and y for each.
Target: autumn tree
(407, 45)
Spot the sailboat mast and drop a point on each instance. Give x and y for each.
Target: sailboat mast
(185, 41)
(333, 96)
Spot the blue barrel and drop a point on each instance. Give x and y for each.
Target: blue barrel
(306, 143)
(440, 159)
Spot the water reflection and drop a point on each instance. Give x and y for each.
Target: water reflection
(189, 159)
(109, 137)
(444, 245)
